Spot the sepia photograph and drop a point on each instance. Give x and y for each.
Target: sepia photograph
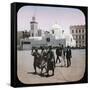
(51, 44)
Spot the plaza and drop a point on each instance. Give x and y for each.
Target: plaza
(62, 74)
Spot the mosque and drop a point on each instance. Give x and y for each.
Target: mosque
(53, 37)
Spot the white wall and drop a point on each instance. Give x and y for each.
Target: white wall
(5, 44)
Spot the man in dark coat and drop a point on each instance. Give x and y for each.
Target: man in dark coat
(50, 61)
(68, 56)
(64, 55)
(59, 54)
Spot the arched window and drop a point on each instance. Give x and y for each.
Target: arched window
(82, 30)
(48, 39)
(72, 31)
(76, 31)
(79, 37)
(79, 31)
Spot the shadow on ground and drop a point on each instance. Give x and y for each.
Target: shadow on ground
(41, 75)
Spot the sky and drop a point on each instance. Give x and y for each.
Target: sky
(48, 16)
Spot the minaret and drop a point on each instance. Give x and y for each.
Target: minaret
(33, 27)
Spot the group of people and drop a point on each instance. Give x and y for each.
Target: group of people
(46, 58)
(64, 53)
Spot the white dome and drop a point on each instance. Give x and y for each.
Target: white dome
(56, 26)
(56, 31)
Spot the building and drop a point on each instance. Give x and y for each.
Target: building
(56, 31)
(54, 37)
(61, 34)
(33, 27)
(46, 40)
(79, 34)
(22, 35)
(34, 31)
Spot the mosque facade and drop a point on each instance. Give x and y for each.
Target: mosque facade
(53, 37)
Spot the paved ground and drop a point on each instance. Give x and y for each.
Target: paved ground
(62, 74)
